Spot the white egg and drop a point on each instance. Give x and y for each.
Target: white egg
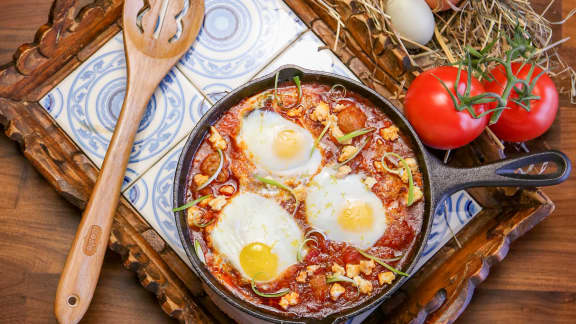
(257, 236)
(278, 145)
(345, 209)
(412, 19)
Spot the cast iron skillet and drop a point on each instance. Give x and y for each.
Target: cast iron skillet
(439, 181)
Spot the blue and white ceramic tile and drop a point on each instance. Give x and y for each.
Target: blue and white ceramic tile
(87, 103)
(311, 53)
(238, 38)
(151, 195)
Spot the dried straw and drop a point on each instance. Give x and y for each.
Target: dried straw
(475, 23)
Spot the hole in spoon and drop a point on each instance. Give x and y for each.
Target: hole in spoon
(72, 300)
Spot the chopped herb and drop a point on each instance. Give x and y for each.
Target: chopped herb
(299, 256)
(355, 133)
(190, 204)
(334, 90)
(316, 231)
(199, 252)
(277, 184)
(407, 169)
(339, 278)
(355, 154)
(317, 141)
(213, 176)
(279, 293)
(298, 85)
(382, 263)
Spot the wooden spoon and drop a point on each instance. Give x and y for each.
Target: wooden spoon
(156, 34)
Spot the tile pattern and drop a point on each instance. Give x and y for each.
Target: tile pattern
(236, 40)
(239, 40)
(87, 103)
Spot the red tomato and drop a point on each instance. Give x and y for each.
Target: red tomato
(430, 109)
(516, 124)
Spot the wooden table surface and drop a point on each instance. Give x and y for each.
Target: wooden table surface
(535, 283)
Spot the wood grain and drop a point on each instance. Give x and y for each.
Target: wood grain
(534, 284)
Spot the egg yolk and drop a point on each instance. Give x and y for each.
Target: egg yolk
(356, 216)
(287, 143)
(258, 259)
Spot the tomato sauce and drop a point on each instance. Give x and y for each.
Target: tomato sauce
(404, 223)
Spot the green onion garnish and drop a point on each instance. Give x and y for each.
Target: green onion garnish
(204, 224)
(199, 252)
(382, 263)
(316, 231)
(212, 177)
(299, 256)
(355, 133)
(320, 137)
(339, 278)
(298, 85)
(279, 293)
(281, 186)
(407, 169)
(190, 204)
(334, 90)
(355, 154)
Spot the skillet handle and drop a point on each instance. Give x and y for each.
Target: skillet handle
(447, 180)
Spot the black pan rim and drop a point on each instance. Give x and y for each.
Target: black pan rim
(214, 114)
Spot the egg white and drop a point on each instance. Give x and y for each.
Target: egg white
(251, 218)
(258, 133)
(326, 198)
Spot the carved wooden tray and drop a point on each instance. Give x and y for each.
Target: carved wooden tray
(439, 292)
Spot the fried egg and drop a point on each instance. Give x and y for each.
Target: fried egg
(257, 236)
(345, 209)
(279, 146)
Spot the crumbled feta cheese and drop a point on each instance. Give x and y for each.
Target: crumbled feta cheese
(347, 152)
(367, 266)
(311, 269)
(417, 194)
(300, 192)
(337, 269)
(200, 179)
(295, 112)
(194, 213)
(412, 164)
(336, 290)
(370, 182)
(386, 277)
(352, 270)
(217, 203)
(389, 133)
(363, 285)
(227, 190)
(216, 140)
(289, 299)
(301, 276)
(321, 112)
(343, 171)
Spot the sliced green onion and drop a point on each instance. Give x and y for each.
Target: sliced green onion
(199, 252)
(316, 231)
(190, 204)
(355, 133)
(298, 85)
(333, 90)
(317, 141)
(339, 278)
(281, 186)
(203, 224)
(410, 199)
(212, 177)
(355, 154)
(277, 184)
(279, 293)
(382, 263)
(299, 256)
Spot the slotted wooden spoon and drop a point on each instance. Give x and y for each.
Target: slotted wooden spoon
(156, 34)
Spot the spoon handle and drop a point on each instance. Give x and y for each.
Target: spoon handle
(80, 275)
